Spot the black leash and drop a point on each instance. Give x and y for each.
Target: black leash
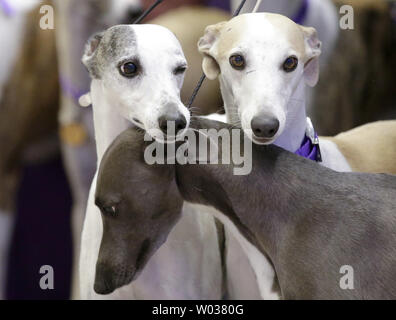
(238, 10)
(147, 12)
(203, 77)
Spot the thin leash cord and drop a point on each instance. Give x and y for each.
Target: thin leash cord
(203, 77)
(257, 6)
(147, 12)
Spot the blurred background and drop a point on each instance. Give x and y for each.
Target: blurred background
(48, 156)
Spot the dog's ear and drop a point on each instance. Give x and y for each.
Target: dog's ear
(313, 51)
(90, 54)
(205, 46)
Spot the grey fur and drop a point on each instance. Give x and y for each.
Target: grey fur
(309, 220)
(104, 48)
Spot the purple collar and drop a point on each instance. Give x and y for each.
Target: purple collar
(309, 149)
(8, 10)
(301, 14)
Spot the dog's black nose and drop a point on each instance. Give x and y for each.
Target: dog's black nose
(264, 127)
(172, 124)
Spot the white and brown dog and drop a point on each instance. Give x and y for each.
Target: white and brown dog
(137, 72)
(264, 61)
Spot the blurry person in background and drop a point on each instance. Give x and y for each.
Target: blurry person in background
(17, 107)
(358, 86)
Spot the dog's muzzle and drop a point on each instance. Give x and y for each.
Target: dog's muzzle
(108, 279)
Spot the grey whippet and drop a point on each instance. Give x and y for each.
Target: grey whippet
(308, 220)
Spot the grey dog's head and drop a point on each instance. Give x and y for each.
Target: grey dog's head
(139, 204)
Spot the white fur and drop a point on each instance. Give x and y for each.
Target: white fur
(264, 273)
(332, 156)
(217, 117)
(188, 265)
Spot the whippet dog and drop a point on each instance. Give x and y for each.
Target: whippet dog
(137, 72)
(76, 21)
(264, 61)
(319, 14)
(311, 222)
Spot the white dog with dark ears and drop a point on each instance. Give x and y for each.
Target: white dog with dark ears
(264, 62)
(137, 72)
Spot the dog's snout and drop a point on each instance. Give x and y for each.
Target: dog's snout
(264, 127)
(104, 281)
(110, 277)
(177, 122)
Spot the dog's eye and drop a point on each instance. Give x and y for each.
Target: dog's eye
(128, 69)
(110, 211)
(237, 62)
(290, 64)
(180, 70)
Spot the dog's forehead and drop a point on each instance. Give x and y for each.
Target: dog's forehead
(258, 29)
(126, 39)
(110, 181)
(157, 40)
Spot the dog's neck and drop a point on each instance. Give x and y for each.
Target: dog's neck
(296, 121)
(296, 118)
(257, 204)
(108, 123)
